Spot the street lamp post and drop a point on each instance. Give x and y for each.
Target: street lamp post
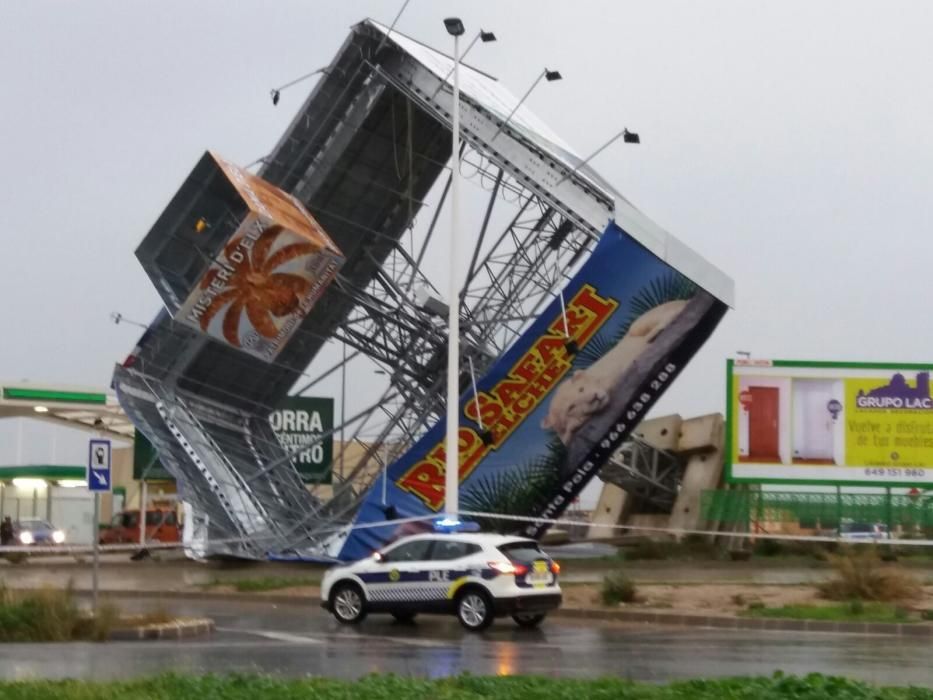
(550, 75)
(452, 464)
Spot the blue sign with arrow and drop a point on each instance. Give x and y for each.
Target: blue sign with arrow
(98, 466)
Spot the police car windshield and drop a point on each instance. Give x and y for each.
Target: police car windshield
(525, 551)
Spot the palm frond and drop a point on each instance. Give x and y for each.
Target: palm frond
(669, 287)
(517, 491)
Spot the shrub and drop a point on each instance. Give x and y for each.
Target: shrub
(51, 616)
(926, 615)
(756, 605)
(861, 576)
(617, 588)
(769, 548)
(738, 599)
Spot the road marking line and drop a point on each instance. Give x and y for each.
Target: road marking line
(277, 636)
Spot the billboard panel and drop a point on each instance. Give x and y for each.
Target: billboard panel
(829, 423)
(556, 405)
(299, 420)
(267, 277)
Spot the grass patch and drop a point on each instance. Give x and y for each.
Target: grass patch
(51, 615)
(860, 575)
(465, 687)
(690, 548)
(267, 583)
(855, 611)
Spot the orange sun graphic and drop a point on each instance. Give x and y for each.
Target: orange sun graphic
(257, 287)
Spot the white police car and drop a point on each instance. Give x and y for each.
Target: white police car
(472, 575)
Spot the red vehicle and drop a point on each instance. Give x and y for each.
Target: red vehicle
(161, 526)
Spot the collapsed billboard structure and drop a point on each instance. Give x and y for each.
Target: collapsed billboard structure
(575, 317)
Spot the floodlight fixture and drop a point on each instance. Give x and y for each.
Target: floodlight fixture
(276, 93)
(550, 75)
(483, 35)
(627, 137)
(454, 26)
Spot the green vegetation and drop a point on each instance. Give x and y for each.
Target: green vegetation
(266, 583)
(777, 687)
(855, 611)
(860, 575)
(690, 548)
(51, 616)
(617, 588)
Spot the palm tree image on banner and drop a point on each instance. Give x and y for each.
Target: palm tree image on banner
(559, 402)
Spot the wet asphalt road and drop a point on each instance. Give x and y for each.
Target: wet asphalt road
(298, 640)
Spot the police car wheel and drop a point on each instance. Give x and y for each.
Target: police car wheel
(528, 620)
(404, 616)
(474, 610)
(347, 604)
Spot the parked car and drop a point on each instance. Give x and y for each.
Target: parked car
(161, 526)
(473, 576)
(864, 531)
(37, 532)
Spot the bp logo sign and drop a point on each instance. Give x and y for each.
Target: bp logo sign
(301, 420)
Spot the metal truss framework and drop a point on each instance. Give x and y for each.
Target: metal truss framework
(651, 475)
(375, 105)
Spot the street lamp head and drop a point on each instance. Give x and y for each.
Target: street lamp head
(552, 75)
(275, 96)
(454, 26)
(630, 137)
(486, 37)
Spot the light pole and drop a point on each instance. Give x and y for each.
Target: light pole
(630, 137)
(452, 464)
(482, 35)
(276, 93)
(551, 76)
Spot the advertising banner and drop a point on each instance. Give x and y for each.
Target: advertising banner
(830, 423)
(559, 402)
(299, 420)
(268, 276)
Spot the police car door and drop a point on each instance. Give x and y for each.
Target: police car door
(401, 575)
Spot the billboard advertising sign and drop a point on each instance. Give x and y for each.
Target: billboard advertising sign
(556, 405)
(268, 276)
(830, 423)
(299, 420)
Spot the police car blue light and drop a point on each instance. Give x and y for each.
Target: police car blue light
(474, 576)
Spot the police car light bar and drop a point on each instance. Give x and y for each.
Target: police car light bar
(446, 524)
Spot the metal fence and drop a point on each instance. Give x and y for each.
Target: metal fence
(817, 510)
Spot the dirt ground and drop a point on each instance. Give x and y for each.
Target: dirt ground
(713, 599)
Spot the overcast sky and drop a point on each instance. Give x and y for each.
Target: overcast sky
(790, 143)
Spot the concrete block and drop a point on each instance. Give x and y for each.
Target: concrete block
(610, 509)
(663, 432)
(703, 472)
(701, 434)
